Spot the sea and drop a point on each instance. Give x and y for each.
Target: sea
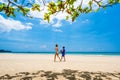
(73, 53)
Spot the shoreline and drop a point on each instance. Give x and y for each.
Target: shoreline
(42, 53)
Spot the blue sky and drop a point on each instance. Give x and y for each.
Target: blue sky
(95, 32)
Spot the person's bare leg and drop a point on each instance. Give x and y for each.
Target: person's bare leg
(58, 57)
(61, 58)
(55, 58)
(64, 59)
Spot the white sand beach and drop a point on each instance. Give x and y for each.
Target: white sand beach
(15, 63)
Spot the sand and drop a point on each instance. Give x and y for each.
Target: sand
(33, 65)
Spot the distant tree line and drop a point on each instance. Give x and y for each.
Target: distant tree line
(2, 50)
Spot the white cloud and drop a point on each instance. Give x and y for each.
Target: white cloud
(44, 22)
(36, 14)
(57, 30)
(29, 24)
(84, 3)
(4, 1)
(37, 1)
(6, 25)
(58, 24)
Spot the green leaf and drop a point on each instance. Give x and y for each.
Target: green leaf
(27, 10)
(15, 0)
(73, 18)
(33, 8)
(75, 14)
(47, 17)
(24, 10)
(55, 7)
(52, 3)
(8, 15)
(68, 11)
(58, 8)
(90, 3)
(36, 7)
(31, 17)
(104, 7)
(50, 12)
(100, 3)
(79, 9)
(13, 15)
(86, 10)
(67, 17)
(59, 3)
(111, 2)
(2, 6)
(70, 1)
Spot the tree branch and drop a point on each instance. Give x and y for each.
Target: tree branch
(97, 2)
(43, 2)
(81, 3)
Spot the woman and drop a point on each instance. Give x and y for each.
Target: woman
(56, 53)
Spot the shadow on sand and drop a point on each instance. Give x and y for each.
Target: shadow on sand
(66, 74)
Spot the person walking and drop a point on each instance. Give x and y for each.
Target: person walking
(63, 54)
(56, 52)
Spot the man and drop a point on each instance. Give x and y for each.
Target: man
(63, 54)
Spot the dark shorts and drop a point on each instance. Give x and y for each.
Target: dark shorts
(63, 55)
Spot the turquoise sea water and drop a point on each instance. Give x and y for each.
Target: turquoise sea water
(74, 53)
